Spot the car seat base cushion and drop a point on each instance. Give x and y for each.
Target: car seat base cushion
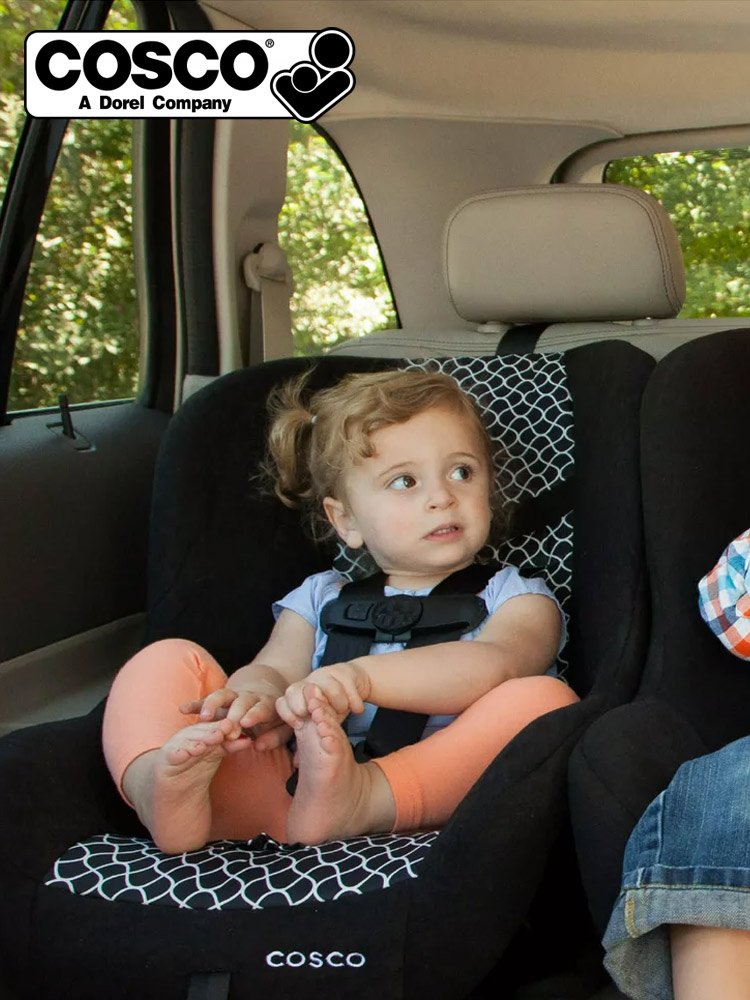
(231, 874)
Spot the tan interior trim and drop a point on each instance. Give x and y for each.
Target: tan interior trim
(249, 192)
(66, 678)
(267, 272)
(587, 165)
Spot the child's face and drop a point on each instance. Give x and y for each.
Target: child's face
(420, 503)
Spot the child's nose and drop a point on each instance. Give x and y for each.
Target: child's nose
(440, 496)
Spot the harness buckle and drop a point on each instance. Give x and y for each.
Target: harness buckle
(358, 611)
(395, 617)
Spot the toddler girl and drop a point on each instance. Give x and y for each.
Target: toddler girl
(398, 462)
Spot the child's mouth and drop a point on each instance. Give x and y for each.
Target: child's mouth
(445, 532)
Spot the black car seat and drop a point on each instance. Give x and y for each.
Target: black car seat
(90, 908)
(694, 696)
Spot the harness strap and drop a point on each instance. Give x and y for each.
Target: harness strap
(391, 728)
(351, 637)
(544, 509)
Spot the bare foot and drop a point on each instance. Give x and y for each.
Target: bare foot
(169, 787)
(335, 796)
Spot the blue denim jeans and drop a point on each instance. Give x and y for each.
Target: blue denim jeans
(687, 862)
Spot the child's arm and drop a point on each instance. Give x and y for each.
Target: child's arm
(520, 639)
(250, 695)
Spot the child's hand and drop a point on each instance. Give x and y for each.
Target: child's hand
(252, 711)
(345, 686)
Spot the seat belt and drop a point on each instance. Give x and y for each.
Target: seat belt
(268, 275)
(521, 339)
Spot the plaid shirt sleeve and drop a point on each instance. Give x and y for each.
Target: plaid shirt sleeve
(725, 597)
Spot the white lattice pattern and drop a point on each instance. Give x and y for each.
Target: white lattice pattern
(230, 874)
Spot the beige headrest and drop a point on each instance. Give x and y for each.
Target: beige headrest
(563, 252)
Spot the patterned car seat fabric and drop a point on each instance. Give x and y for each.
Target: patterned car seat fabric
(694, 696)
(90, 908)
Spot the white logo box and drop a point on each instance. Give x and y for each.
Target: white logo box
(146, 74)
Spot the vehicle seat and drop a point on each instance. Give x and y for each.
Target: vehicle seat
(694, 696)
(586, 262)
(90, 908)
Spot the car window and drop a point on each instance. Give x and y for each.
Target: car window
(707, 195)
(340, 286)
(78, 330)
(17, 19)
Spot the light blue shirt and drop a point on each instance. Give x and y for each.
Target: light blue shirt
(317, 590)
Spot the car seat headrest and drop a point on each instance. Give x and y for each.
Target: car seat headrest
(563, 253)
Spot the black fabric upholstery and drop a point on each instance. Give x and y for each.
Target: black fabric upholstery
(625, 759)
(219, 555)
(696, 485)
(694, 696)
(609, 613)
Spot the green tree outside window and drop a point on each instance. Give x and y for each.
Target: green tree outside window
(340, 287)
(78, 331)
(707, 196)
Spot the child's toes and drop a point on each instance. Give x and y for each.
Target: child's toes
(212, 737)
(177, 755)
(226, 727)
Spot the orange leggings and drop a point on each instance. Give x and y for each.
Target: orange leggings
(248, 794)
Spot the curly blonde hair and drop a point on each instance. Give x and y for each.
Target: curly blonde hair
(314, 438)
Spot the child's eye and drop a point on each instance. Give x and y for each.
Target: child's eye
(461, 473)
(404, 482)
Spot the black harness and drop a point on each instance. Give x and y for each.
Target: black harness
(361, 616)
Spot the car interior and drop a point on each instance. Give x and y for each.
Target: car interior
(551, 196)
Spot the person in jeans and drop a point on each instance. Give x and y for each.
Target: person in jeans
(681, 925)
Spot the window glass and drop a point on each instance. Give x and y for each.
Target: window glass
(707, 196)
(78, 330)
(340, 287)
(17, 19)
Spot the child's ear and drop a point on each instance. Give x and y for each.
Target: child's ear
(343, 521)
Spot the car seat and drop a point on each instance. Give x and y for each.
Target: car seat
(90, 907)
(694, 696)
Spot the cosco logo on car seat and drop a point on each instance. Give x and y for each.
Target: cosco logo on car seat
(315, 959)
(250, 74)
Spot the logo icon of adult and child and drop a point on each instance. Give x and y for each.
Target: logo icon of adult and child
(309, 89)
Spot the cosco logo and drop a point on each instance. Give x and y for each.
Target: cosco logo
(315, 960)
(149, 56)
(157, 74)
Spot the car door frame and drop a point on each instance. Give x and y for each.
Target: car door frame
(74, 511)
